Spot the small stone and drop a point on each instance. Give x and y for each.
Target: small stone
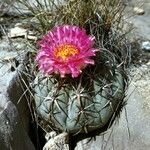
(50, 135)
(17, 32)
(32, 37)
(146, 45)
(138, 11)
(148, 64)
(59, 142)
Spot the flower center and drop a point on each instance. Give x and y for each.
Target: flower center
(65, 51)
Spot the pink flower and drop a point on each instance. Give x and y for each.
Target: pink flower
(65, 50)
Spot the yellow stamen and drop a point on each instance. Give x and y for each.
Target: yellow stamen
(64, 51)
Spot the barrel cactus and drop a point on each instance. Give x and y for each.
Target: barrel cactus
(79, 88)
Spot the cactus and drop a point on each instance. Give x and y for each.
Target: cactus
(93, 98)
(83, 104)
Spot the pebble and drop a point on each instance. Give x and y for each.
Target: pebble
(148, 64)
(59, 142)
(146, 45)
(18, 31)
(138, 11)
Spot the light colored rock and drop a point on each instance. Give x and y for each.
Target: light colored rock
(19, 31)
(146, 45)
(138, 11)
(140, 24)
(12, 98)
(8, 58)
(50, 135)
(58, 142)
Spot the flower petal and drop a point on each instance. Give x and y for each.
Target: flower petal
(74, 49)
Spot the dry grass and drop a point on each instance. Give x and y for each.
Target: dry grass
(78, 12)
(101, 18)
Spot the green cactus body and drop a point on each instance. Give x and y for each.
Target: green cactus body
(81, 104)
